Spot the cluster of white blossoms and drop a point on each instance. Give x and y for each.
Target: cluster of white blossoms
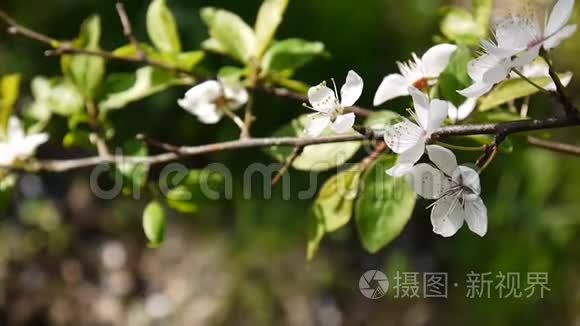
(210, 100)
(16, 146)
(518, 42)
(456, 188)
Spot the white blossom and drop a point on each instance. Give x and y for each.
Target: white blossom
(210, 99)
(462, 111)
(418, 72)
(407, 138)
(518, 41)
(330, 109)
(456, 189)
(16, 145)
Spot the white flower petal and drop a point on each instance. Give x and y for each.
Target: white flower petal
(207, 113)
(403, 136)
(526, 57)
(205, 92)
(559, 17)
(7, 156)
(422, 106)
(407, 159)
(322, 98)
(437, 114)
(317, 125)
(464, 110)
(476, 90)
(467, 177)
(443, 158)
(15, 129)
(352, 89)
(27, 146)
(236, 94)
(447, 216)
(497, 74)
(490, 48)
(477, 68)
(391, 87)
(343, 123)
(436, 59)
(556, 39)
(428, 182)
(476, 216)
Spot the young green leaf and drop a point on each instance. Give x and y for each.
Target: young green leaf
(514, 89)
(187, 196)
(154, 223)
(455, 76)
(84, 71)
(290, 54)
(162, 28)
(55, 96)
(134, 175)
(482, 10)
(458, 25)
(316, 232)
(229, 34)
(384, 206)
(9, 92)
(335, 200)
(124, 88)
(269, 18)
(313, 158)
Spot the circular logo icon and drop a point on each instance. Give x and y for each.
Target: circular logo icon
(373, 284)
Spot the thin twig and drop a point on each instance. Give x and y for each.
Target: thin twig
(561, 95)
(531, 82)
(158, 144)
(298, 150)
(128, 30)
(237, 120)
(554, 146)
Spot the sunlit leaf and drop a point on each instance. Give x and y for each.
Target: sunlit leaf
(9, 92)
(290, 54)
(514, 89)
(315, 232)
(86, 72)
(193, 191)
(55, 95)
(229, 34)
(459, 25)
(125, 88)
(162, 28)
(384, 206)
(269, 18)
(317, 157)
(336, 198)
(154, 223)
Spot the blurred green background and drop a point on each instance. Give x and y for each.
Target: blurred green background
(68, 258)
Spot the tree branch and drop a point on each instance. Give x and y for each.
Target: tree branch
(554, 146)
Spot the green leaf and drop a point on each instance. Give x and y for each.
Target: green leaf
(7, 183)
(269, 18)
(190, 193)
(162, 28)
(134, 175)
(290, 54)
(313, 158)
(482, 10)
(384, 206)
(231, 73)
(458, 25)
(125, 88)
(77, 138)
(154, 223)
(380, 119)
(55, 95)
(182, 60)
(229, 34)
(86, 72)
(335, 200)
(9, 92)
(315, 232)
(514, 89)
(455, 76)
